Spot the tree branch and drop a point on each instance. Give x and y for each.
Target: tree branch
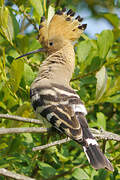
(23, 130)
(98, 134)
(101, 134)
(84, 75)
(19, 118)
(57, 3)
(38, 148)
(7, 173)
(28, 17)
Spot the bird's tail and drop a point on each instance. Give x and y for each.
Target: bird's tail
(93, 153)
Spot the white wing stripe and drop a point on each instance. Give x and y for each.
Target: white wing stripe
(79, 108)
(91, 141)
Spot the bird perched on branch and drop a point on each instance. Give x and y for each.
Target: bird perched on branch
(51, 94)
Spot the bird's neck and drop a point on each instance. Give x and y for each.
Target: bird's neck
(57, 68)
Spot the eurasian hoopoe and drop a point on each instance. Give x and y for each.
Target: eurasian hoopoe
(51, 94)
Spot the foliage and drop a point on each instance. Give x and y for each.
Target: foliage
(96, 78)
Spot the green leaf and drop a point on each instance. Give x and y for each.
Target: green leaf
(26, 43)
(1, 3)
(61, 157)
(38, 10)
(94, 65)
(28, 137)
(83, 50)
(3, 145)
(8, 25)
(80, 174)
(114, 99)
(14, 24)
(16, 72)
(112, 18)
(24, 110)
(46, 169)
(104, 41)
(113, 87)
(28, 74)
(101, 77)
(101, 120)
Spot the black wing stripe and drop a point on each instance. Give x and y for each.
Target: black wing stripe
(58, 114)
(75, 101)
(37, 103)
(63, 88)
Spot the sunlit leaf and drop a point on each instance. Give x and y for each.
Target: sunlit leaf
(80, 174)
(51, 12)
(37, 7)
(104, 41)
(101, 76)
(112, 18)
(83, 50)
(8, 25)
(61, 157)
(28, 74)
(1, 3)
(46, 169)
(114, 99)
(101, 120)
(28, 137)
(16, 72)
(3, 145)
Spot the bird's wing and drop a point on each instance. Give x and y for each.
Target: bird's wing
(63, 108)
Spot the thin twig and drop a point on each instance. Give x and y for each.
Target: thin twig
(57, 3)
(19, 118)
(38, 148)
(29, 18)
(101, 134)
(23, 130)
(10, 174)
(48, 3)
(84, 75)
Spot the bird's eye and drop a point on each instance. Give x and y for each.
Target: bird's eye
(51, 43)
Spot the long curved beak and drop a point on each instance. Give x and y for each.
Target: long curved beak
(33, 52)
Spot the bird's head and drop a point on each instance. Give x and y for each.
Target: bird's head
(64, 28)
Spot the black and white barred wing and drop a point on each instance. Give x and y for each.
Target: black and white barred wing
(58, 105)
(63, 108)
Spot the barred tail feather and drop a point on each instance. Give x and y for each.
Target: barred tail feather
(93, 153)
(97, 158)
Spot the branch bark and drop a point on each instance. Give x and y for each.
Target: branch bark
(98, 134)
(19, 118)
(10, 174)
(28, 17)
(23, 130)
(38, 148)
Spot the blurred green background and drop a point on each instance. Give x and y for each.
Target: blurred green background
(96, 78)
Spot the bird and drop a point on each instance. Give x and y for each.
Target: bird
(52, 96)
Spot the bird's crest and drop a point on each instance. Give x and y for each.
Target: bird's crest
(63, 24)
